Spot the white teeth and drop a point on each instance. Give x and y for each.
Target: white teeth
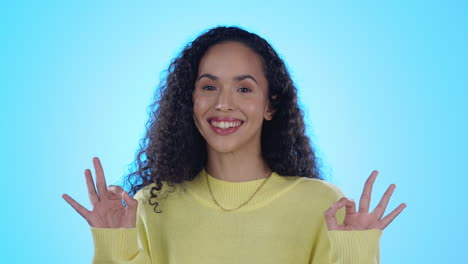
(225, 125)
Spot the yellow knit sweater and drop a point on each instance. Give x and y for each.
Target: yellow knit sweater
(282, 224)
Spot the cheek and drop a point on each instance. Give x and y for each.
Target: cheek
(255, 108)
(200, 106)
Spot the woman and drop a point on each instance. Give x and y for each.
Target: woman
(226, 173)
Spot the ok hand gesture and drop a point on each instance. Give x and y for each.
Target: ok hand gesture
(108, 210)
(363, 220)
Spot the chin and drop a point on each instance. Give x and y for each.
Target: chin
(223, 147)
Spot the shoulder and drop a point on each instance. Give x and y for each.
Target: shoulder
(144, 194)
(319, 189)
(310, 195)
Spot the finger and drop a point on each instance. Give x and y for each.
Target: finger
(130, 209)
(114, 192)
(78, 207)
(100, 179)
(330, 214)
(131, 203)
(391, 216)
(93, 197)
(364, 203)
(382, 206)
(350, 207)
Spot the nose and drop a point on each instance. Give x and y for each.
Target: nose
(225, 101)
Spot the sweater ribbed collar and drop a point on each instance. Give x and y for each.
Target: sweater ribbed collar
(232, 194)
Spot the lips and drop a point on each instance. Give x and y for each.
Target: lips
(224, 131)
(225, 119)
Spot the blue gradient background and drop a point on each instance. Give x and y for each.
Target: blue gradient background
(383, 86)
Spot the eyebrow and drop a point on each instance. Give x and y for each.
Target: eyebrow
(237, 78)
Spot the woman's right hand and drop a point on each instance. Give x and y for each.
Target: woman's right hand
(108, 210)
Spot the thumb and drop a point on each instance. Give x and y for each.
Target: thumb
(114, 192)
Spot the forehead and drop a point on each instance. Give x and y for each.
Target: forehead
(229, 59)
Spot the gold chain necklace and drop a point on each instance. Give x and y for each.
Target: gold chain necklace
(216, 202)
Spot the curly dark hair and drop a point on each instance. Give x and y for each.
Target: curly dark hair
(174, 151)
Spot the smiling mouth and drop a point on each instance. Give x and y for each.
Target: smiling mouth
(225, 124)
(225, 128)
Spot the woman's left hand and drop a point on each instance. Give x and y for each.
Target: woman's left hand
(363, 220)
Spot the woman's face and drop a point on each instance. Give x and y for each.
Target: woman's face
(230, 97)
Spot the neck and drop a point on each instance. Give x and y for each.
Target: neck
(239, 166)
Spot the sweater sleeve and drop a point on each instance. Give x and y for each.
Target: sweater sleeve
(361, 246)
(122, 245)
(346, 247)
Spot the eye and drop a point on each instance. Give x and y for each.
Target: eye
(208, 87)
(245, 90)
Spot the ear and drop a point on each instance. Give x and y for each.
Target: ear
(269, 112)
